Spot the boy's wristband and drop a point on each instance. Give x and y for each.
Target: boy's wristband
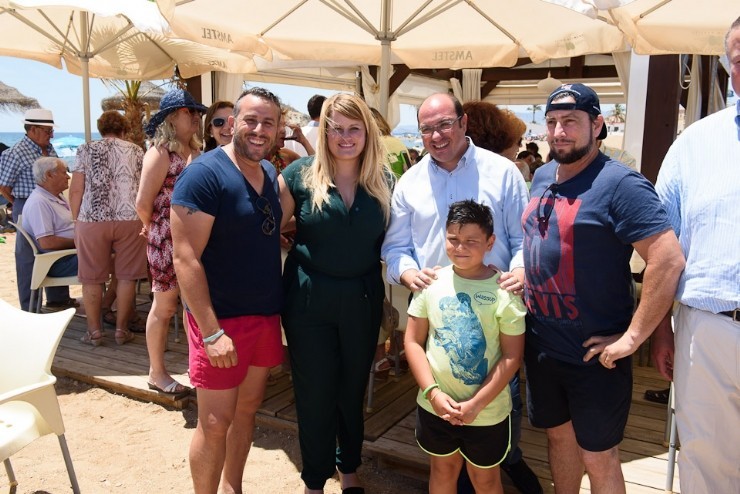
(214, 336)
(428, 389)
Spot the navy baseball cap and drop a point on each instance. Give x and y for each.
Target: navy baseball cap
(586, 100)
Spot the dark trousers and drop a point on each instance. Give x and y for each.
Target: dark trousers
(332, 329)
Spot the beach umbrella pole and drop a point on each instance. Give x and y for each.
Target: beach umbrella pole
(86, 98)
(85, 75)
(385, 75)
(385, 37)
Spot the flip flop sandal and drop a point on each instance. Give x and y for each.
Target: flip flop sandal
(173, 388)
(95, 338)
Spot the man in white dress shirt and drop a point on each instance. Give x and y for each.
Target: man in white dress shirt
(455, 169)
(701, 206)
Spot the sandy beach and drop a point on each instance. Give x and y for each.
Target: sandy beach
(121, 445)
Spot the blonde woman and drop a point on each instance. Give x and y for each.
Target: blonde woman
(333, 287)
(175, 132)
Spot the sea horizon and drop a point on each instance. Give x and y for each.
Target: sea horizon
(68, 155)
(10, 138)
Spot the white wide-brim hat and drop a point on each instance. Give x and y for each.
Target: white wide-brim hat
(39, 116)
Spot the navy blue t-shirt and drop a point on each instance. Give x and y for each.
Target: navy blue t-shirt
(241, 262)
(577, 248)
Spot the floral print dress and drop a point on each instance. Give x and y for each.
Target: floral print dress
(159, 241)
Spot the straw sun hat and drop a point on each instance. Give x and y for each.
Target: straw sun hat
(172, 100)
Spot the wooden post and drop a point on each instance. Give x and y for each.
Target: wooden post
(661, 112)
(194, 87)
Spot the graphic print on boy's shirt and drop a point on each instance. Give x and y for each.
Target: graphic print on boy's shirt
(462, 338)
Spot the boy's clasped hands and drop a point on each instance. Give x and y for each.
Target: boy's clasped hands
(450, 410)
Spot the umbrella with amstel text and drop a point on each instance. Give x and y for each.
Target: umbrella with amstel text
(418, 33)
(126, 40)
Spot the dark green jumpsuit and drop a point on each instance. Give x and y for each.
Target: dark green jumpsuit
(333, 303)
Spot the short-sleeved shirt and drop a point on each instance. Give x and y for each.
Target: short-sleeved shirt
(334, 241)
(16, 166)
(466, 318)
(577, 249)
(45, 215)
(112, 169)
(241, 262)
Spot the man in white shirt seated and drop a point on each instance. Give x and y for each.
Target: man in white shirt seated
(48, 219)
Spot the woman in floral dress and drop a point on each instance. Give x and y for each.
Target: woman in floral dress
(175, 132)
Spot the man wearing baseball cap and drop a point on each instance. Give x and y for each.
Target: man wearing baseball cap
(586, 214)
(16, 184)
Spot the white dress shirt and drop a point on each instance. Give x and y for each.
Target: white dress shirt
(421, 199)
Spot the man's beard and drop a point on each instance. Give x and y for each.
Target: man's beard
(566, 158)
(243, 149)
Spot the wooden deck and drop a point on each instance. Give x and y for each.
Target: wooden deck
(642, 453)
(388, 428)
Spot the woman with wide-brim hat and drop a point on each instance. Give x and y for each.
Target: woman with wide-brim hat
(175, 132)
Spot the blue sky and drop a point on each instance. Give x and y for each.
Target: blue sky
(61, 92)
(57, 90)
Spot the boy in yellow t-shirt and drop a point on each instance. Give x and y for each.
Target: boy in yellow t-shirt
(464, 342)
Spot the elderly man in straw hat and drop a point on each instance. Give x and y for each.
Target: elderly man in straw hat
(16, 184)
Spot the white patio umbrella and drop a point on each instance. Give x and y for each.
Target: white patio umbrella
(662, 27)
(117, 39)
(419, 33)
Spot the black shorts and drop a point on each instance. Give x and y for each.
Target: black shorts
(596, 399)
(484, 446)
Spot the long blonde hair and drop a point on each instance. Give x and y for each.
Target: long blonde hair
(166, 135)
(374, 175)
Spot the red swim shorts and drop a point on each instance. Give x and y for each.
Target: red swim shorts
(256, 339)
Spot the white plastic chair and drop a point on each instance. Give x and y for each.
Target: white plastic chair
(42, 264)
(29, 408)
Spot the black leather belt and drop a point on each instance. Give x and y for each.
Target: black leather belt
(732, 314)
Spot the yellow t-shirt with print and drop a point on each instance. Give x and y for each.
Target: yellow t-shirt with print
(466, 318)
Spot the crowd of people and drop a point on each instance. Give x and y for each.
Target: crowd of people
(508, 260)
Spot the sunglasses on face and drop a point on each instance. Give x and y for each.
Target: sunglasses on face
(218, 122)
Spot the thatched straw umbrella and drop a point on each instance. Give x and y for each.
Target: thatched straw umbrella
(12, 100)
